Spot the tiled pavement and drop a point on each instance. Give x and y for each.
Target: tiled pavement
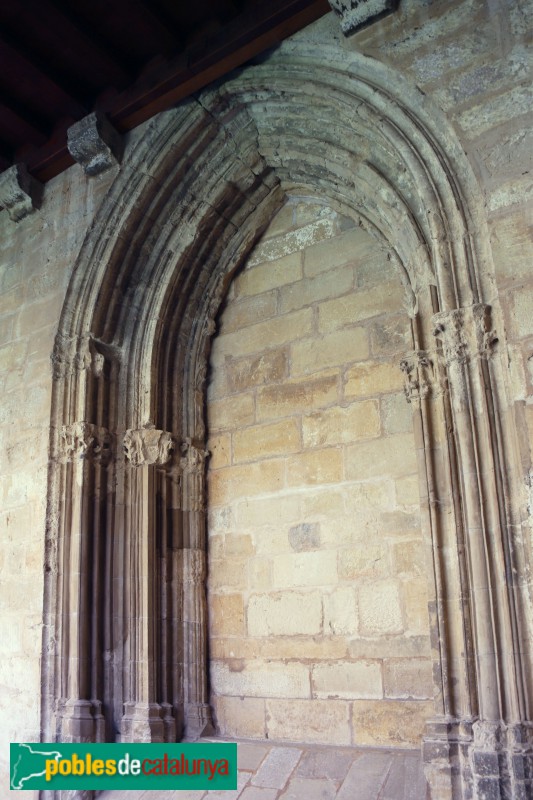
(269, 771)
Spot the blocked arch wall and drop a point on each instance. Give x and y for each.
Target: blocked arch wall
(125, 651)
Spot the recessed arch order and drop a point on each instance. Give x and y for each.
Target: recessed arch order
(125, 634)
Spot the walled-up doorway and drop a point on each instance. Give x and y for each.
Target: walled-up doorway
(317, 587)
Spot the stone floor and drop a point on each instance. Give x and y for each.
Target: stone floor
(269, 771)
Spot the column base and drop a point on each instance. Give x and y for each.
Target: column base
(80, 721)
(478, 760)
(142, 722)
(199, 722)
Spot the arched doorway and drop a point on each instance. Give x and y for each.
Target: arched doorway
(125, 628)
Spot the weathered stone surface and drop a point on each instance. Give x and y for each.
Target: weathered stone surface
(20, 193)
(287, 719)
(341, 425)
(285, 614)
(277, 767)
(380, 609)
(95, 144)
(348, 681)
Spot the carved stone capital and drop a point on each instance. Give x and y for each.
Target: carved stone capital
(20, 193)
(419, 375)
(147, 446)
(193, 458)
(83, 440)
(95, 144)
(355, 14)
(465, 333)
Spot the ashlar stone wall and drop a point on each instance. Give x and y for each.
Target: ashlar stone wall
(317, 579)
(36, 258)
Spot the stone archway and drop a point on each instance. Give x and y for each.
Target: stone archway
(125, 587)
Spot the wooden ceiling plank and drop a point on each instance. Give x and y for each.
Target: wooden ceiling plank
(36, 90)
(36, 27)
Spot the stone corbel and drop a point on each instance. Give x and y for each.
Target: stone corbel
(356, 14)
(95, 144)
(20, 193)
(420, 377)
(83, 440)
(147, 446)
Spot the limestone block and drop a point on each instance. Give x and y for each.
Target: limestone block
(333, 283)
(260, 574)
(261, 441)
(339, 425)
(293, 241)
(239, 678)
(247, 311)
(372, 378)
(230, 574)
(322, 503)
(379, 608)
(240, 716)
(358, 306)
(391, 335)
(393, 456)
(302, 648)
(369, 494)
(510, 240)
(231, 412)
(270, 333)
(396, 414)
(415, 598)
(365, 560)
(262, 511)
(340, 612)
(347, 680)
(390, 723)
(316, 568)
(226, 615)
(521, 311)
(269, 367)
(285, 614)
(305, 536)
(408, 679)
(315, 467)
(325, 721)
(270, 275)
(219, 448)
(399, 646)
(231, 483)
(410, 558)
(336, 348)
(352, 246)
(502, 108)
(238, 544)
(295, 396)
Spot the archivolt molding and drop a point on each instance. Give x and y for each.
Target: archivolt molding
(195, 191)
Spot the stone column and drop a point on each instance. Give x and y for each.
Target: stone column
(144, 718)
(478, 746)
(198, 712)
(85, 450)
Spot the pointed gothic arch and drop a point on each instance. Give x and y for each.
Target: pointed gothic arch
(125, 634)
